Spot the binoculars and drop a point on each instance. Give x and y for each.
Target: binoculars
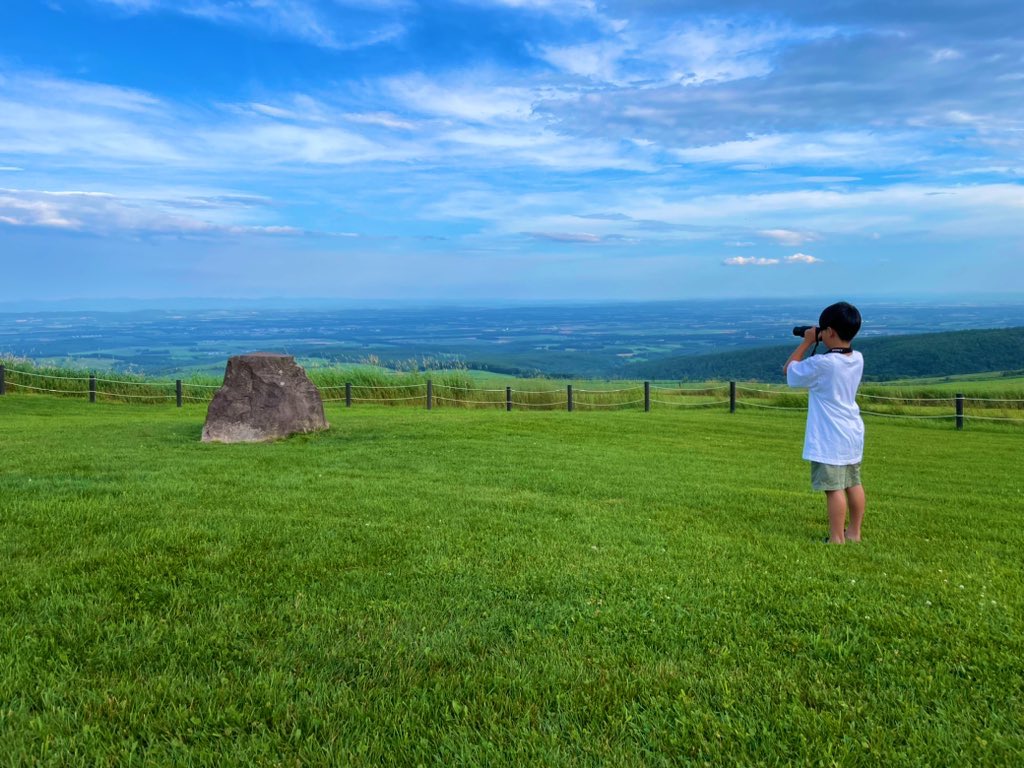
(800, 330)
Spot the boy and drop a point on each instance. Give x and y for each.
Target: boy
(834, 440)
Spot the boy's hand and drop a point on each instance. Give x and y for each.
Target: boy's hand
(811, 335)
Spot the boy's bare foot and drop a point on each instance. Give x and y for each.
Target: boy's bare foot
(851, 539)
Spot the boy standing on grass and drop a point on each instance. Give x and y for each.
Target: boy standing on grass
(834, 440)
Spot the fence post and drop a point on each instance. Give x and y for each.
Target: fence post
(959, 410)
(647, 396)
(430, 394)
(177, 391)
(92, 388)
(508, 398)
(568, 393)
(3, 380)
(348, 394)
(732, 397)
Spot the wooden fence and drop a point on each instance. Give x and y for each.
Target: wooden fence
(571, 397)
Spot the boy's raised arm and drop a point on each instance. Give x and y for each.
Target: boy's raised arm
(810, 336)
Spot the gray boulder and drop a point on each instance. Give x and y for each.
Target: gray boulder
(264, 397)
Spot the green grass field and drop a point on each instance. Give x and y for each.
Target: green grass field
(473, 587)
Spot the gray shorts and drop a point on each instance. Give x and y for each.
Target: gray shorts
(832, 477)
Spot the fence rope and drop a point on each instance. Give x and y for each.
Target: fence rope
(372, 386)
(690, 405)
(468, 389)
(42, 389)
(771, 407)
(555, 404)
(125, 382)
(604, 391)
(389, 386)
(386, 399)
(472, 402)
(46, 375)
(135, 397)
(690, 389)
(606, 405)
(909, 400)
(990, 400)
(909, 415)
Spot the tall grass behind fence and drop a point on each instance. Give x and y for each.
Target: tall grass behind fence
(363, 385)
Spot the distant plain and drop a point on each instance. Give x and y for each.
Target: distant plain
(582, 341)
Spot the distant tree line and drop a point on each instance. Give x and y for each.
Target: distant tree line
(886, 358)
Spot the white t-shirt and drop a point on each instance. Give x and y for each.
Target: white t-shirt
(835, 432)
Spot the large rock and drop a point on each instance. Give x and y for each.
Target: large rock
(264, 397)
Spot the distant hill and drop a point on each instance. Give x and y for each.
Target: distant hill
(888, 357)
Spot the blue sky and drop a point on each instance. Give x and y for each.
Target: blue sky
(510, 149)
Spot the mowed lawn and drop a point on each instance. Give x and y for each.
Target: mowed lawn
(456, 588)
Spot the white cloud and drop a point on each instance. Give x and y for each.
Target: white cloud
(180, 212)
(272, 111)
(598, 61)
(17, 211)
(710, 49)
(304, 20)
(286, 143)
(833, 149)
(830, 179)
(537, 147)
(565, 237)
(787, 236)
(42, 115)
(473, 96)
(571, 7)
(946, 54)
(957, 210)
(384, 119)
(747, 261)
(671, 216)
(802, 258)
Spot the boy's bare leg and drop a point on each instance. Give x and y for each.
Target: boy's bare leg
(857, 503)
(836, 516)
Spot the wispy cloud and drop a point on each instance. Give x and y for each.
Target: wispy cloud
(476, 97)
(48, 116)
(788, 236)
(559, 7)
(707, 50)
(946, 54)
(182, 212)
(762, 261)
(750, 261)
(834, 149)
(565, 237)
(305, 20)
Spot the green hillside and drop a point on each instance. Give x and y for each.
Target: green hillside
(886, 358)
(464, 587)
